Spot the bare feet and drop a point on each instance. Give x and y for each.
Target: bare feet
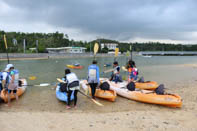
(75, 107)
(68, 107)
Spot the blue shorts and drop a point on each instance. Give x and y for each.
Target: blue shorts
(9, 91)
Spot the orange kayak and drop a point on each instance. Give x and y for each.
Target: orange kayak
(109, 95)
(147, 96)
(20, 91)
(74, 67)
(149, 85)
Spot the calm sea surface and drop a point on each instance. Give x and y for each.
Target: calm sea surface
(163, 69)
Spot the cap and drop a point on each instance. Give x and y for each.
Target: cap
(9, 66)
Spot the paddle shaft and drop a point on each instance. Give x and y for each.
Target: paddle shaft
(6, 47)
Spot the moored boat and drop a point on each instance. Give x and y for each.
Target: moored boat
(75, 67)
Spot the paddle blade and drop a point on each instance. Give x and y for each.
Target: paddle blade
(6, 46)
(45, 84)
(60, 80)
(96, 102)
(32, 78)
(124, 68)
(128, 54)
(116, 52)
(96, 47)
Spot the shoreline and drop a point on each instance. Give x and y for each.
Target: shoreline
(44, 56)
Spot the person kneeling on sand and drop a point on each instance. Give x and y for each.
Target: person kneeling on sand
(72, 86)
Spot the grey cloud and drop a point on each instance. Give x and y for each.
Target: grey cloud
(126, 19)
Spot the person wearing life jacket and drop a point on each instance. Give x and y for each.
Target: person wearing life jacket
(6, 79)
(116, 73)
(132, 71)
(73, 86)
(93, 77)
(13, 83)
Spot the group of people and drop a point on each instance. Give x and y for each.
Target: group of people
(9, 81)
(93, 78)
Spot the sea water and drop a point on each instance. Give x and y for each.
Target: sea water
(167, 70)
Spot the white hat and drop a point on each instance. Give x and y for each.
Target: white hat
(8, 67)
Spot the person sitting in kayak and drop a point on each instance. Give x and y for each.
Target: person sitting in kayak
(116, 73)
(72, 86)
(132, 71)
(93, 77)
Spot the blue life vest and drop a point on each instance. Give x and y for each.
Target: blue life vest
(93, 74)
(16, 76)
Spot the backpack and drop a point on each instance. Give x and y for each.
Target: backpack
(131, 86)
(160, 89)
(63, 87)
(141, 80)
(105, 86)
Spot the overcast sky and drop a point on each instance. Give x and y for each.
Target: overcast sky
(124, 20)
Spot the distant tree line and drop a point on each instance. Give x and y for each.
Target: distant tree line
(52, 40)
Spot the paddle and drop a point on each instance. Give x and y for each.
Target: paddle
(115, 56)
(116, 53)
(58, 79)
(43, 84)
(6, 47)
(96, 47)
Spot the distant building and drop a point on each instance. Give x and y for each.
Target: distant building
(66, 50)
(110, 46)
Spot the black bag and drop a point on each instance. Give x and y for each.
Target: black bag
(131, 86)
(160, 89)
(63, 87)
(104, 86)
(141, 80)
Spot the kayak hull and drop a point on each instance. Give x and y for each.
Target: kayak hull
(147, 96)
(62, 96)
(74, 67)
(149, 85)
(20, 91)
(109, 95)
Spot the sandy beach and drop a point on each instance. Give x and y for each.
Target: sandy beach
(139, 116)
